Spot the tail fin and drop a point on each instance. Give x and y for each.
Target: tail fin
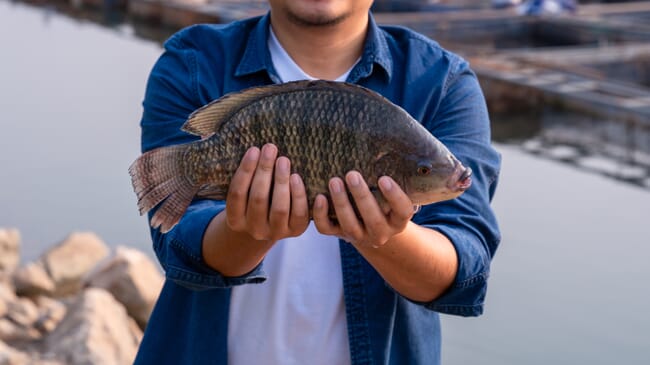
(158, 176)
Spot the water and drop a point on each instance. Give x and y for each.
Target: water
(70, 94)
(569, 284)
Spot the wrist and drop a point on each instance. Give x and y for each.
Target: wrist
(229, 252)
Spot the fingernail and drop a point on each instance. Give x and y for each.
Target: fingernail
(283, 165)
(318, 203)
(268, 151)
(336, 186)
(353, 179)
(253, 153)
(385, 183)
(295, 180)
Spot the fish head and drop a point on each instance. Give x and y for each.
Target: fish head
(434, 175)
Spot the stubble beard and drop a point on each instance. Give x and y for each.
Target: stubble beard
(315, 21)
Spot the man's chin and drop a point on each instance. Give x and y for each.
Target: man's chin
(316, 19)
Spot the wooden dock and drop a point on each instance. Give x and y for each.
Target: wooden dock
(521, 61)
(512, 83)
(178, 14)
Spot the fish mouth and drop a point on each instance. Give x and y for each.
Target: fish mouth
(462, 179)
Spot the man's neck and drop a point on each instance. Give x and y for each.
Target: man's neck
(324, 52)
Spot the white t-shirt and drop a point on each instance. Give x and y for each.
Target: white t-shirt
(297, 316)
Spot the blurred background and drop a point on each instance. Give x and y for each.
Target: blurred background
(568, 87)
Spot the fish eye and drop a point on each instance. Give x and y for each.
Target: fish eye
(424, 170)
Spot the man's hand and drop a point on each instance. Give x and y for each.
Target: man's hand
(265, 200)
(376, 226)
(418, 262)
(265, 203)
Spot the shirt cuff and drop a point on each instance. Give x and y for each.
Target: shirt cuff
(180, 251)
(466, 296)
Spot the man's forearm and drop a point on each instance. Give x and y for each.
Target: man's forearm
(231, 253)
(419, 263)
(266, 203)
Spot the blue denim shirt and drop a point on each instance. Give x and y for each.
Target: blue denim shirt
(204, 62)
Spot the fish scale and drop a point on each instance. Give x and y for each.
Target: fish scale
(325, 128)
(248, 129)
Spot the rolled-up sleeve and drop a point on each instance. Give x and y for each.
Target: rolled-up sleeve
(171, 95)
(462, 124)
(180, 251)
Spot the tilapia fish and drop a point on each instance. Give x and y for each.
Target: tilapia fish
(325, 128)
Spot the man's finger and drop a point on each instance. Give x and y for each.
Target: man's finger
(299, 218)
(281, 198)
(240, 184)
(401, 206)
(257, 209)
(322, 221)
(373, 217)
(348, 221)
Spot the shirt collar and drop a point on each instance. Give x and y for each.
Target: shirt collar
(375, 52)
(257, 58)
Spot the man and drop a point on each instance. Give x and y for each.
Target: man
(253, 281)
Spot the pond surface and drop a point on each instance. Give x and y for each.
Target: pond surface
(570, 281)
(70, 95)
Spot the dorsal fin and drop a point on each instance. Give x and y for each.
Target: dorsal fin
(206, 120)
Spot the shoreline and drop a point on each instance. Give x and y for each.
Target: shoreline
(78, 302)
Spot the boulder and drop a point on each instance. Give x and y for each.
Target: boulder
(17, 323)
(4, 308)
(50, 313)
(95, 330)
(15, 333)
(10, 356)
(132, 278)
(9, 251)
(6, 295)
(70, 260)
(22, 311)
(32, 280)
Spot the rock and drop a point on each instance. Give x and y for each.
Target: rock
(132, 278)
(95, 330)
(59, 271)
(6, 292)
(15, 333)
(70, 260)
(10, 356)
(22, 311)
(9, 251)
(41, 361)
(17, 323)
(33, 280)
(50, 313)
(6, 296)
